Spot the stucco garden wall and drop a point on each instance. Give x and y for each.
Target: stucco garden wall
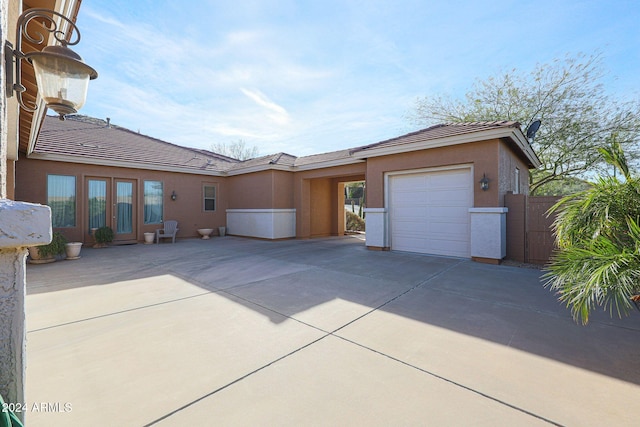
(261, 190)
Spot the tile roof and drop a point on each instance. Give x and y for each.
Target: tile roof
(282, 159)
(438, 132)
(287, 160)
(81, 137)
(90, 140)
(324, 157)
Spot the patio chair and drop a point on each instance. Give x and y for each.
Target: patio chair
(169, 231)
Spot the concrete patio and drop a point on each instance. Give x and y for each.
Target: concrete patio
(233, 331)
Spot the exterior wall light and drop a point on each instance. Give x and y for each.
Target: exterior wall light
(61, 75)
(484, 182)
(174, 196)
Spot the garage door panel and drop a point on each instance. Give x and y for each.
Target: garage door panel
(410, 228)
(449, 178)
(429, 212)
(405, 242)
(412, 181)
(450, 197)
(449, 247)
(448, 229)
(450, 213)
(411, 197)
(410, 218)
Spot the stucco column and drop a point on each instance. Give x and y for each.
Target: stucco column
(21, 225)
(377, 234)
(488, 234)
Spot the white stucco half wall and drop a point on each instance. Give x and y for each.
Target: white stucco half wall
(21, 225)
(376, 235)
(24, 224)
(262, 223)
(489, 232)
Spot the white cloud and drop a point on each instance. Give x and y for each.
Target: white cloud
(331, 75)
(278, 113)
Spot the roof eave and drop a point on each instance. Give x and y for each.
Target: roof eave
(258, 168)
(295, 168)
(513, 133)
(329, 163)
(525, 147)
(122, 164)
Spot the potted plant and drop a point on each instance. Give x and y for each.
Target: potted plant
(103, 235)
(47, 253)
(73, 250)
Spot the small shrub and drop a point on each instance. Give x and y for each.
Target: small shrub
(104, 235)
(56, 247)
(354, 222)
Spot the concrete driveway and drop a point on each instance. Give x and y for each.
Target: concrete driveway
(234, 331)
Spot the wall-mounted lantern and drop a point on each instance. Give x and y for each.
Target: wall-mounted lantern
(484, 182)
(174, 196)
(61, 75)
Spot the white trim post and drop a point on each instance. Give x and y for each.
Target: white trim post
(489, 233)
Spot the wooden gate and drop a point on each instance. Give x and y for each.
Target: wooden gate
(529, 229)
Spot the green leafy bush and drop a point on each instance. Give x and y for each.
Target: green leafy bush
(104, 235)
(56, 247)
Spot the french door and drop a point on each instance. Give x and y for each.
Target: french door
(124, 210)
(112, 202)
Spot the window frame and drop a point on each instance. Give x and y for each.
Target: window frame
(516, 181)
(205, 198)
(74, 197)
(144, 201)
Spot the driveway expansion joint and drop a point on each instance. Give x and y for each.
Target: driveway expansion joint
(426, 365)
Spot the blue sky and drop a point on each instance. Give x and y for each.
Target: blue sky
(307, 77)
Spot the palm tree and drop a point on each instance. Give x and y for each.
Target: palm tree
(598, 236)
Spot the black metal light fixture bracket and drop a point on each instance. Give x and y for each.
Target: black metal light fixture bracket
(484, 182)
(61, 75)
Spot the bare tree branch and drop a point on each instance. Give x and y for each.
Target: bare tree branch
(237, 150)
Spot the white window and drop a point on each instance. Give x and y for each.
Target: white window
(516, 182)
(209, 193)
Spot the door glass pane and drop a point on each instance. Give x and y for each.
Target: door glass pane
(153, 202)
(61, 198)
(124, 208)
(97, 203)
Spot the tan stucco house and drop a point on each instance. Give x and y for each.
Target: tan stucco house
(423, 189)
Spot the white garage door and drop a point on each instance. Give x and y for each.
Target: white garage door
(429, 212)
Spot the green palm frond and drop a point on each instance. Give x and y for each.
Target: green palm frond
(602, 209)
(614, 155)
(598, 272)
(598, 237)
